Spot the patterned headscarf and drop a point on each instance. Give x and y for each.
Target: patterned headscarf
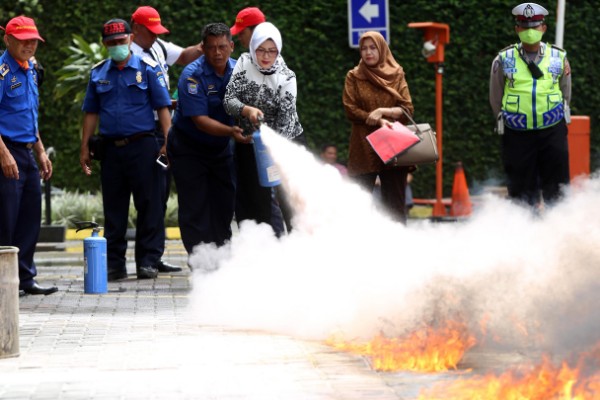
(263, 32)
(387, 74)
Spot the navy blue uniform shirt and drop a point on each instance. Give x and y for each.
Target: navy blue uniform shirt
(18, 100)
(125, 99)
(201, 92)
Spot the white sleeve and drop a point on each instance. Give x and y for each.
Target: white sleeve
(136, 49)
(232, 104)
(173, 51)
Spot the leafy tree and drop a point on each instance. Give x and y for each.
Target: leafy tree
(73, 77)
(315, 38)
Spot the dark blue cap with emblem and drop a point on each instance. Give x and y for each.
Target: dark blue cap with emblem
(529, 15)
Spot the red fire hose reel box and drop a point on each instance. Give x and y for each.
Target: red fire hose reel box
(579, 146)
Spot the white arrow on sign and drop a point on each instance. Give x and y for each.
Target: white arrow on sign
(369, 11)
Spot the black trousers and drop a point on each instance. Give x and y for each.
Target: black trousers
(254, 201)
(21, 211)
(165, 174)
(536, 161)
(205, 183)
(126, 171)
(393, 190)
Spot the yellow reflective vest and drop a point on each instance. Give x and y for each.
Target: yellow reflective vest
(530, 103)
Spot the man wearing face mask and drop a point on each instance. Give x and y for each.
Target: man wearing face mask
(530, 92)
(122, 94)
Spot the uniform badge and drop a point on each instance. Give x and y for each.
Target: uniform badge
(138, 77)
(555, 66)
(161, 80)
(4, 69)
(508, 65)
(103, 82)
(211, 87)
(14, 79)
(192, 88)
(16, 85)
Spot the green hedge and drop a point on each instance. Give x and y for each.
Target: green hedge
(316, 47)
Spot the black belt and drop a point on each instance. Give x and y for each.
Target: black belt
(124, 141)
(7, 140)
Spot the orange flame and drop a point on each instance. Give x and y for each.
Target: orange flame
(543, 382)
(430, 350)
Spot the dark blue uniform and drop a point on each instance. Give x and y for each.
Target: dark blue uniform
(125, 100)
(20, 200)
(202, 163)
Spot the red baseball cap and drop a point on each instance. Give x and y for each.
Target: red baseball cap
(250, 16)
(150, 18)
(23, 28)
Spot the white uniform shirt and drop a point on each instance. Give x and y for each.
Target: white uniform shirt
(157, 53)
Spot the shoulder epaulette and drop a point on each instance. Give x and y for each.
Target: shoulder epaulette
(150, 61)
(508, 47)
(4, 69)
(557, 48)
(99, 63)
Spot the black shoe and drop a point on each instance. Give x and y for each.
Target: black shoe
(147, 272)
(37, 289)
(163, 266)
(116, 275)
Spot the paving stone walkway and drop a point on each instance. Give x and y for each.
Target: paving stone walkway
(139, 342)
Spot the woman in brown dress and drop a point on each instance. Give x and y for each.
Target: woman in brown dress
(376, 93)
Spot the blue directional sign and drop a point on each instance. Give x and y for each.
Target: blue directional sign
(367, 15)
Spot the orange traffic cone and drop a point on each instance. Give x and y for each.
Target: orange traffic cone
(461, 202)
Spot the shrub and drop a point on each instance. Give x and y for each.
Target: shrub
(68, 207)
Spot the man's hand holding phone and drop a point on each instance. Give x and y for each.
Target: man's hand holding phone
(163, 161)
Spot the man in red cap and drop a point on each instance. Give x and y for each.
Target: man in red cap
(20, 189)
(245, 22)
(146, 26)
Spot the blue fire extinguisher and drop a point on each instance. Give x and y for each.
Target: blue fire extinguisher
(94, 259)
(268, 172)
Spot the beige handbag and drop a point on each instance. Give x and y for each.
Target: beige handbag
(424, 152)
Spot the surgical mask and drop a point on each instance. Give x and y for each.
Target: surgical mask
(118, 53)
(531, 36)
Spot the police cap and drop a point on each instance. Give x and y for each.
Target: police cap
(529, 15)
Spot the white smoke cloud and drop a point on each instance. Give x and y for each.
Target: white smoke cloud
(346, 268)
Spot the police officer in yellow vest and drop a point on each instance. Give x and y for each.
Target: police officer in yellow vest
(530, 92)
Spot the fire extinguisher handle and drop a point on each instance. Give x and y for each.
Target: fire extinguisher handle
(86, 225)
